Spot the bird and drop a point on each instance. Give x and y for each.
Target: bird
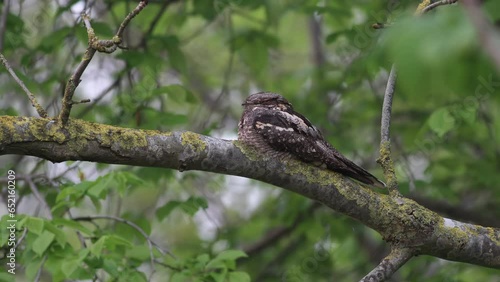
(271, 125)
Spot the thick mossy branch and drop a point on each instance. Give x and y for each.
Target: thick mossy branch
(402, 222)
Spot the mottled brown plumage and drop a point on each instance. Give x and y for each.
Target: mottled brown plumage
(270, 124)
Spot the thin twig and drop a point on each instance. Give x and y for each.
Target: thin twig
(75, 79)
(39, 272)
(38, 196)
(25, 231)
(389, 265)
(129, 17)
(41, 111)
(488, 36)
(99, 97)
(387, 106)
(3, 22)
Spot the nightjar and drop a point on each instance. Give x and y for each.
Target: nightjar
(270, 124)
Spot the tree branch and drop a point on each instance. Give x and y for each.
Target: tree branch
(41, 111)
(94, 45)
(385, 159)
(389, 265)
(401, 222)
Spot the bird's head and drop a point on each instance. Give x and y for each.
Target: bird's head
(267, 100)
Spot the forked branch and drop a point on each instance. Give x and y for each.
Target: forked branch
(94, 45)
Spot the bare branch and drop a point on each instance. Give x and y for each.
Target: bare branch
(75, 79)
(41, 111)
(389, 265)
(39, 272)
(94, 44)
(488, 36)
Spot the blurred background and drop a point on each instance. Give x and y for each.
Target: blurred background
(188, 66)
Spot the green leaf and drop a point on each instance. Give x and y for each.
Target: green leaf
(441, 121)
(97, 247)
(111, 267)
(193, 204)
(133, 276)
(180, 277)
(72, 224)
(139, 252)
(69, 266)
(114, 240)
(60, 236)
(203, 259)
(190, 206)
(165, 210)
(35, 225)
(216, 264)
(231, 255)
(101, 184)
(226, 259)
(238, 276)
(74, 191)
(43, 241)
(219, 276)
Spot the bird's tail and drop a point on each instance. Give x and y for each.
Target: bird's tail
(344, 166)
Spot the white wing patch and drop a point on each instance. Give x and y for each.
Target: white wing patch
(262, 125)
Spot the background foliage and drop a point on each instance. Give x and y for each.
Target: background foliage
(188, 66)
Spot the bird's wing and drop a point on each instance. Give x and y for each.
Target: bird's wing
(293, 133)
(289, 133)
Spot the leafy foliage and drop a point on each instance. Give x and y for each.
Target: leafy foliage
(188, 65)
